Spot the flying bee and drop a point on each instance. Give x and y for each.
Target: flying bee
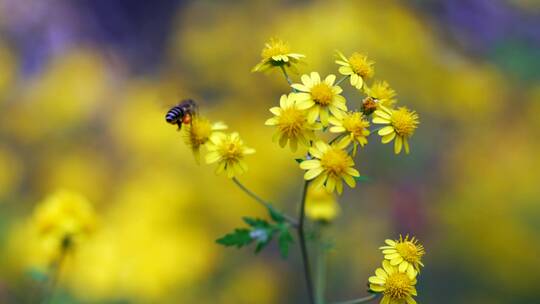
(182, 113)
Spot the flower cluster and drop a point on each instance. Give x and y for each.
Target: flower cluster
(317, 105)
(396, 279)
(227, 150)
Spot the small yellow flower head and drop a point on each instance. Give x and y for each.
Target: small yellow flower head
(355, 126)
(397, 287)
(62, 215)
(320, 205)
(291, 122)
(404, 253)
(401, 125)
(198, 133)
(320, 98)
(358, 67)
(228, 150)
(276, 53)
(329, 166)
(383, 93)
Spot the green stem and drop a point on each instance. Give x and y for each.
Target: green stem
(56, 268)
(303, 247)
(341, 80)
(261, 201)
(287, 78)
(356, 301)
(320, 278)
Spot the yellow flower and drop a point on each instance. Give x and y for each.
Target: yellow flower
(320, 98)
(401, 125)
(329, 166)
(355, 128)
(397, 287)
(64, 215)
(382, 92)
(228, 150)
(404, 253)
(292, 124)
(321, 205)
(198, 133)
(276, 53)
(358, 67)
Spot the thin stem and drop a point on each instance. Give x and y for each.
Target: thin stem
(303, 247)
(287, 78)
(341, 80)
(361, 300)
(320, 277)
(261, 201)
(56, 268)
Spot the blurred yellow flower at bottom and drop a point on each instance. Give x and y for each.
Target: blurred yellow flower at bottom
(321, 205)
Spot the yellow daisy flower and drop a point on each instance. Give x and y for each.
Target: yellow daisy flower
(64, 215)
(397, 287)
(198, 133)
(228, 150)
(401, 125)
(355, 128)
(320, 98)
(292, 124)
(276, 53)
(404, 253)
(329, 166)
(382, 92)
(320, 205)
(358, 67)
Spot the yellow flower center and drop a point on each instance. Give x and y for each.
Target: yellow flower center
(383, 92)
(361, 65)
(275, 47)
(404, 122)
(231, 150)
(322, 94)
(335, 161)
(355, 124)
(398, 286)
(291, 121)
(199, 132)
(408, 251)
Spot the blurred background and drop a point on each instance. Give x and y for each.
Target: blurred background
(84, 86)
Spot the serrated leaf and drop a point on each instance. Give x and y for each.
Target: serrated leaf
(239, 238)
(299, 160)
(362, 178)
(285, 238)
(276, 215)
(256, 222)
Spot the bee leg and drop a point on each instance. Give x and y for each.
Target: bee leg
(179, 126)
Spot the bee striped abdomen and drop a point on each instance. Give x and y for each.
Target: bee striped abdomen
(174, 114)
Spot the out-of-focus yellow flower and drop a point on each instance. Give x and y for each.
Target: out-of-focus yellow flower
(401, 125)
(358, 67)
(404, 253)
(276, 52)
(330, 166)
(382, 92)
(63, 216)
(11, 172)
(397, 287)
(292, 124)
(355, 128)
(228, 150)
(320, 98)
(321, 205)
(199, 131)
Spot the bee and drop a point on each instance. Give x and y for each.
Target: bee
(182, 113)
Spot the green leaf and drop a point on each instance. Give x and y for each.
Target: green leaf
(37, 275)
(285, 238)
(238, 238)
(256, 222)
(276, 215)
(362, 178)
(299, 160)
